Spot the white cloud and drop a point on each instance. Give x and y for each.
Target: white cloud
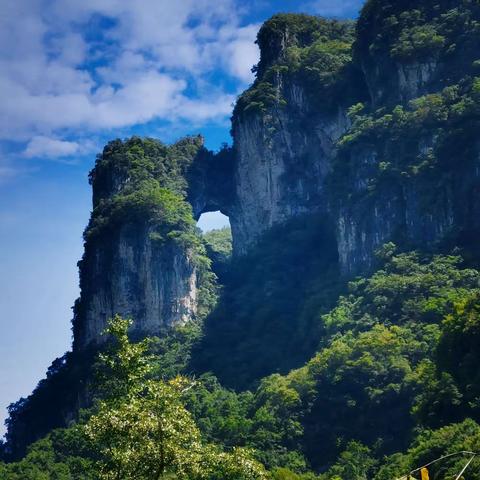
(240, 51)
(217, 107)
(41, 146)
(154, 61)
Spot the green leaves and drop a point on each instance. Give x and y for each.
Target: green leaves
(429, 445)
(258, 98)
(143, 182)
(417, 42)
(376, 374)
(409, 289)
(124, 366)
(141, 429)
(144, 433)
(47, 459)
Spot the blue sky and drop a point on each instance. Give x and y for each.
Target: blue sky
(74, 74)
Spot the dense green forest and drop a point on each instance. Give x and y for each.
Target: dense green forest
(393, 384)
(293, 369)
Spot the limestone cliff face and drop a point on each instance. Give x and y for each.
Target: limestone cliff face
(130, 274)
(139, 258)
(284, 141)
(282, 159)
(388, 169)
(412, 179)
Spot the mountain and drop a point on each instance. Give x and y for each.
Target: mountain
(352, 189)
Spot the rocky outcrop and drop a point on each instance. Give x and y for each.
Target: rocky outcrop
(282, 159)
(285, 128)
(132, 275)
(288, 156)
(211, 183)
(292, 155)
(140, 245)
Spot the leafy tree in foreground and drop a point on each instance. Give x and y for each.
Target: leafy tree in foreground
(141, 429)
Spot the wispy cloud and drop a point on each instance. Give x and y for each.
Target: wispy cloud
(41, 146)
(10, 170)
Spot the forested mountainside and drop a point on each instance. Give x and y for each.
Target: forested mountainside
(334, 332)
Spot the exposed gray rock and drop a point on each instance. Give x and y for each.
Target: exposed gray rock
(130, 274)
(282, 159)
(279, 168)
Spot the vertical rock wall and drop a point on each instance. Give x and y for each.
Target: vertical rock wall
(293, 154)
(140, 246)
(131, 275)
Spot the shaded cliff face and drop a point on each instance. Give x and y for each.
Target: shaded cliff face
(286, 125)
(210, 181)
(372, 127)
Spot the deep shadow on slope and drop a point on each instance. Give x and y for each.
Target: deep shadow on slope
(53, 403)
(268, 317)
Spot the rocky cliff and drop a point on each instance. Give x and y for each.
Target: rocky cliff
(380, 137)
(285, 127)
(141, 245)
(408, 168)
(371, 126)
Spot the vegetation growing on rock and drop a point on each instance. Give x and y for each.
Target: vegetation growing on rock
(300, 49)
(317, 374)
(145, 181)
